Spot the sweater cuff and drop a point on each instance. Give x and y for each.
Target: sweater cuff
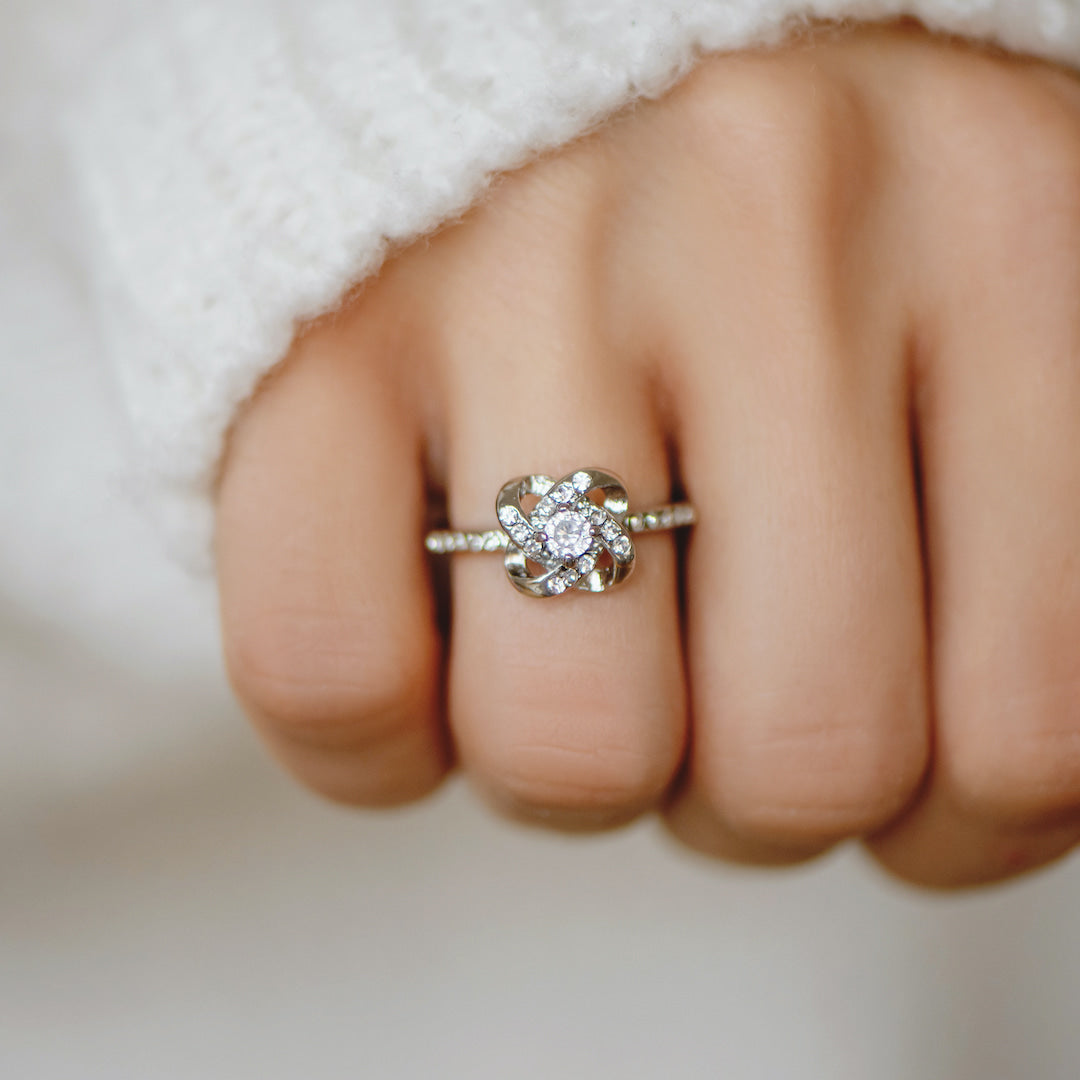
(244, 163)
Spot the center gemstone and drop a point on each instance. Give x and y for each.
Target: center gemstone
(568, 533)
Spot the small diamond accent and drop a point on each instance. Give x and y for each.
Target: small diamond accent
(581, 481)
(621, 547)
(556, 585)
(609, 530)
(519, 533)
(586, 563)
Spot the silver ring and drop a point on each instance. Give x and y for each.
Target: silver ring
(579, 533)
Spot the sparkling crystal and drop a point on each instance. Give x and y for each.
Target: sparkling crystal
(569, 534)
(570, 577)
(544, 508)
(651, 521)
(621, 547)
(556, 585)
(609, 530)
(508, 515)
(492, 542)
(586, 563)
(598, 516)
(520, 532)
(476, 542)
(563, 493)
(581, 481)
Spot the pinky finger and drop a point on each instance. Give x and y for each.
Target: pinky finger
(327, 615)
(941, 845)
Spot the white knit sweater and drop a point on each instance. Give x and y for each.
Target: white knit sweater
(243, 162)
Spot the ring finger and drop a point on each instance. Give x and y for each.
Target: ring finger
(569, 709)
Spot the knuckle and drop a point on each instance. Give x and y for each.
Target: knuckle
(1016, 173)
(1010, 732)
(389, 774)
(594, 778)
(824, 778)
(327, 682)
(1023, 763)
(1033, 205)
(778, 142)
(604, 749)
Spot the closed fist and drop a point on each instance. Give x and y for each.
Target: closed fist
(832, 293)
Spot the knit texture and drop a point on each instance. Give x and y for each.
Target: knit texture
(243, 163)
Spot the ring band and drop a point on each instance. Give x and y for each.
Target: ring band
(579, 533)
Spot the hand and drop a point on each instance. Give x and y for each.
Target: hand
(833, 290)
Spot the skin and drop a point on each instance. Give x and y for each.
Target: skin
(832, 291)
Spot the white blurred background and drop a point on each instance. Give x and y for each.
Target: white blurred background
(172, 907)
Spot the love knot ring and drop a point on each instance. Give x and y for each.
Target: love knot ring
(574, 533)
